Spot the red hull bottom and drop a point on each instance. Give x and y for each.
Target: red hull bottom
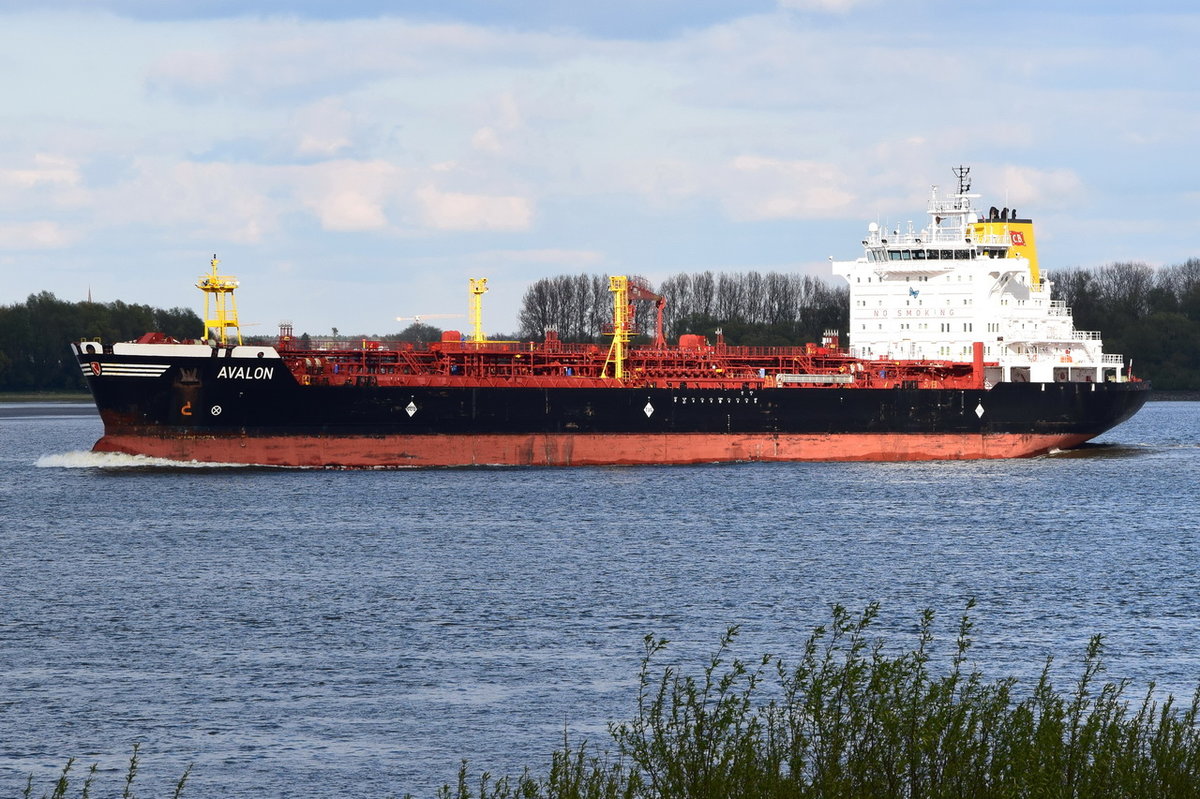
(577, 450)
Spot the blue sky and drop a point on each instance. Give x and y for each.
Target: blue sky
(351, 162)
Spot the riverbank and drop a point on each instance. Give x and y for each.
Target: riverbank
(45, 404)
(45, 396)
(1175, 396)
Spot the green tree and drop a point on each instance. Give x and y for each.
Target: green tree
(34, 336)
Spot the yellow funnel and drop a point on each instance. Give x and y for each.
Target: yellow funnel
(1019, 234)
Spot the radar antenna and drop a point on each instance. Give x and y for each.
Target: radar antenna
(963, 173)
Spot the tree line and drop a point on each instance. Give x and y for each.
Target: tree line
(34, 335)
(1151, 316)
(751, 308)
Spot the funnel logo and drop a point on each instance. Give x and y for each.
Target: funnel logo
(1018, 238)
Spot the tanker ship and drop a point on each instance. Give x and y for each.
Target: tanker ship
(955, 350)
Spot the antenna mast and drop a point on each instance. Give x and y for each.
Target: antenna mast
(963, 173)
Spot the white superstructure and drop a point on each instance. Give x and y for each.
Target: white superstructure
(931, 294)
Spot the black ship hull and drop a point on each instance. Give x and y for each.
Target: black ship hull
(255, 411)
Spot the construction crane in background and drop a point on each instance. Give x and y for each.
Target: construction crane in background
(478, 286)
(419, 319)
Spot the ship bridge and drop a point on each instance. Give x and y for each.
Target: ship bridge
(965, 279)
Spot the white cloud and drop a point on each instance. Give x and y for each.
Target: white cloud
(770, 188)
(1040, 188)
(191, 73)
(323, 129)
(205, 200)
(346, 195)
(505, 121)
(571, 258)
(271, 131)
(456, 211)
(350, 210)
(279, 58)
(39, 235)
(47, 169)
(50, 184)
(752, 187)
(486, 140)
(834, 6)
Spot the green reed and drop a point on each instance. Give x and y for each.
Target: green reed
(848, 719)
(63, 784)
(851, 718)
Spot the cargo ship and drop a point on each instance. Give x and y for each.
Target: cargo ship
(955, 350)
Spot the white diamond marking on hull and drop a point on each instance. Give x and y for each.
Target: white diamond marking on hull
(411, 409)
(979, 410)
(649, 409)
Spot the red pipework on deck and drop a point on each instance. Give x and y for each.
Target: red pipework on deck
(694, 363)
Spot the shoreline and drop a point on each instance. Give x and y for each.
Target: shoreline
(8, 397)
(28, 405)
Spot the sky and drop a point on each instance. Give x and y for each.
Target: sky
(355, 161)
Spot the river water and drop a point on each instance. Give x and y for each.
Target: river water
(358, 633)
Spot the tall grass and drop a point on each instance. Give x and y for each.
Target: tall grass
(63, 784)
(851, 720)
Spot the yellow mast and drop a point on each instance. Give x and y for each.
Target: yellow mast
(218, 291)
(622, 325)
(478, 288)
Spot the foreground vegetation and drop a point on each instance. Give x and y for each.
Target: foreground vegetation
(851, 719)
(63, 784)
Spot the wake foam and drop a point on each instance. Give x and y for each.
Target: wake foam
(86, 459)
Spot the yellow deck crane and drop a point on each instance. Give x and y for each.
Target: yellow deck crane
(625, 291)
(218, 297)
(478, 289)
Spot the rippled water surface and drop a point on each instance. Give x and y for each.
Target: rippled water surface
(358, 633)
